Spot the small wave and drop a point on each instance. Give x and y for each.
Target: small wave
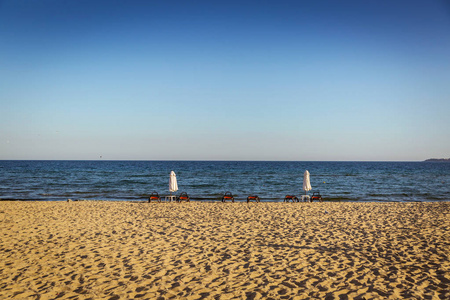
(334, 175)
(31, 199)
(339, 199)
(435, 197)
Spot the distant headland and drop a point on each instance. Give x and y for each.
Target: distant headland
(438, 160)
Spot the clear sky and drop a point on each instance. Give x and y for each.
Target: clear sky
(225, 80)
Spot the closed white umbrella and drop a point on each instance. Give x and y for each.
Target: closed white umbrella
(306, 183)
(173, 185)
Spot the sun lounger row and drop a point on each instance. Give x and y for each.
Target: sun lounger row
(292, 198)
(182, 197)
(228, 196)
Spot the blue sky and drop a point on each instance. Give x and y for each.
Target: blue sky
(225, 80)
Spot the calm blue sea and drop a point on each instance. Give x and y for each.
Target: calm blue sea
(208, 180)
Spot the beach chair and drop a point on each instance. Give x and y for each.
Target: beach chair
(154, 197)
(253, 198)
(183, 197)
(316, 196)
(290, 198)
(228, 196)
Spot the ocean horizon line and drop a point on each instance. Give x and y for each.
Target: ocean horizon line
(215, 160)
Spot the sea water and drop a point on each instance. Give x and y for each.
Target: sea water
(208, 180)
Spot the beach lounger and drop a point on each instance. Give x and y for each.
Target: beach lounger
(316, 196)
(154, 197)
(228, 196)
(183, 197)
(253, 198)
(292, 198)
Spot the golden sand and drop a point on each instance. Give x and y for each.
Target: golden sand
(124, 250)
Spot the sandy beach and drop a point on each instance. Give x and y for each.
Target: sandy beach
(125, 250)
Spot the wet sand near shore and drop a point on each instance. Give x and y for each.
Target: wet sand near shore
(126, 250)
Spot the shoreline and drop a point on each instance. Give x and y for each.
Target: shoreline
(121, 250)
(218, 200)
